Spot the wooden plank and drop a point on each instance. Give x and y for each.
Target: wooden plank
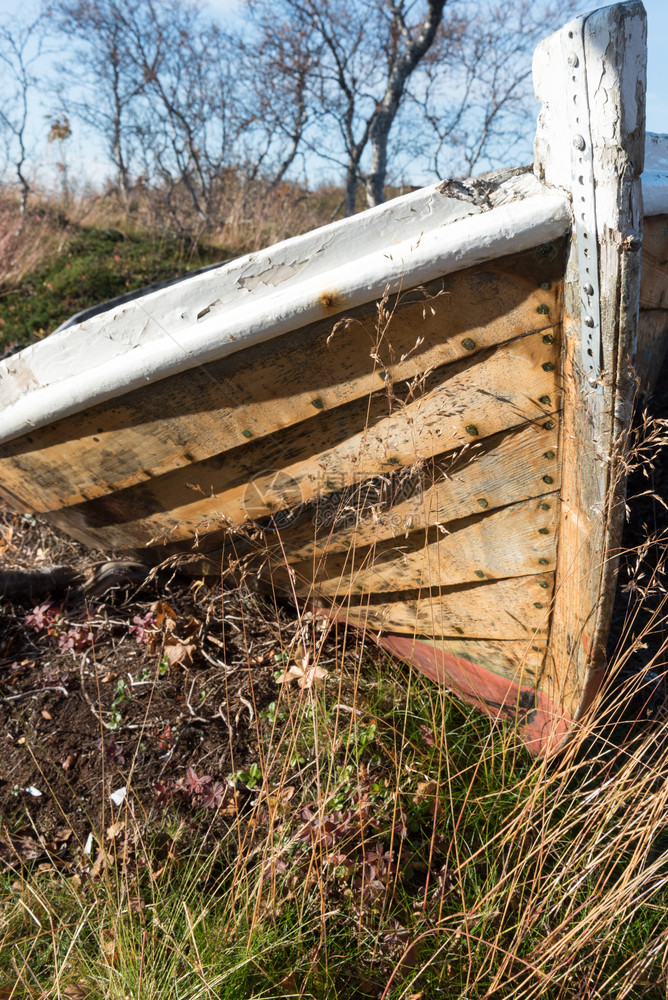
(521, 661)
(652, 346)
(214, 408)
(502, 469)
(500, 609)
(464, 402)
(654, 279)
(595, 417)
(516, 541)
(653, 319)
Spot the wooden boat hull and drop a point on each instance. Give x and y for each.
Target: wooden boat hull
(418, 446)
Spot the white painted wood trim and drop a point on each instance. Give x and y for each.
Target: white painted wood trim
(655, 175)
(404, 243)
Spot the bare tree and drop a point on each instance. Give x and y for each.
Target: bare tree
(107, 79)
(475, 94)
(365, 54)
(21, 49)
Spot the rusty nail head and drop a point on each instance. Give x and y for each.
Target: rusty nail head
(578, 142)
(589, 321)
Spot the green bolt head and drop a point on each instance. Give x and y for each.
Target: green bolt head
(548, 367)
(471, 429)
(468, 344)
(483, 502)
(543, 309)
(548, 339)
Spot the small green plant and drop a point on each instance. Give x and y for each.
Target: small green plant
(122, 695)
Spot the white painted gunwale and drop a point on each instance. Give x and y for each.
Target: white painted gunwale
(408, 241)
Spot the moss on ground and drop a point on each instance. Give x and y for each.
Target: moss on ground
(90, 267)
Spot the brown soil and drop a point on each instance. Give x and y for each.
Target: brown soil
(132, 688)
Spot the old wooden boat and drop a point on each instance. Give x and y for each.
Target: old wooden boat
(415, 417)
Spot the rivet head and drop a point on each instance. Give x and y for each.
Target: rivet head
(480, 573)
(543, 531)
(548, 479)
(548, 339)
(472, 430)
(548, 367)
(543, 583)
(543, 309)
(318, 403)
(483, 502)
(548, 425)
(247, 434)
(589, 321)
(545, 285)
(588, 289)
(537, 604)
(545, 399)
(544, 562)
(544, 506)
(468, 343)
(549, 454)
(578, 142)
(573, 60)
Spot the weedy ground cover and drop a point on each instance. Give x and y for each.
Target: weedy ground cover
(301, 817)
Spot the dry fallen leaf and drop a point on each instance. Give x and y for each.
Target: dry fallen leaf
(427, 792)
(115, 828)
(73, 992)
(163, 612)
(307, 676)
(108, 945)
(179, 653)
(46, 715)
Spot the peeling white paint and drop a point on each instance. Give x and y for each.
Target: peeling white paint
(87, 364)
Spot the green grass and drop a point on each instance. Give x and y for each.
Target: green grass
(90, 267)
(404, 848)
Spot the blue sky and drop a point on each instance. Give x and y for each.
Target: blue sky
(83, 152)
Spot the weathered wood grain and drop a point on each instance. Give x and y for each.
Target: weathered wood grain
(461, 403)
(595, 417)
(654, 277)
(217, 407)
(515, 541)
(502, 609)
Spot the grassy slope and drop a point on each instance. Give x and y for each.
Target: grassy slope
(90, 267)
